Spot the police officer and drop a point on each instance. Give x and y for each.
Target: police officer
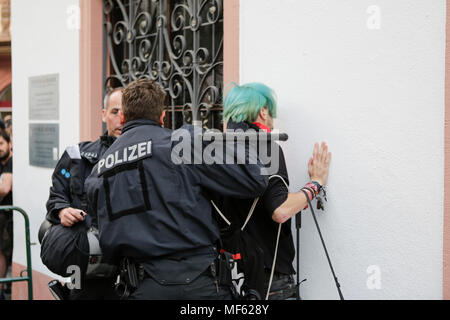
(157, 211)
(67, 203)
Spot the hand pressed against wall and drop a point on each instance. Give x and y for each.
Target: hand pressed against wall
(319, 164)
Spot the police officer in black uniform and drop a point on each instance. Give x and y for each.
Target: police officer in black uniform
(67, 203)
(155, 210)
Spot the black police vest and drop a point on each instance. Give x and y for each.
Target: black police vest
(81, 167)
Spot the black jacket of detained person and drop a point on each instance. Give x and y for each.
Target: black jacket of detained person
(261, 226)
(150, 206)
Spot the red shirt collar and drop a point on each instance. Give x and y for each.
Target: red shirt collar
(262, 127)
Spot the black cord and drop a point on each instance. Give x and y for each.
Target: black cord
(338, 286)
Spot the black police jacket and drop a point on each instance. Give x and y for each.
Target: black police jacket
(149, 206)
(70, 173)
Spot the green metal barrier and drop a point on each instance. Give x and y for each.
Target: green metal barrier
(29, 270)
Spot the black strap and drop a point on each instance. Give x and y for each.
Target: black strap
(338, 286)
(298, 225)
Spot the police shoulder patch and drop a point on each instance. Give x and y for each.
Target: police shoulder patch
(74, 152)
(89, 155)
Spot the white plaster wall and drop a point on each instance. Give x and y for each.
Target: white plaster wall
(45, 40)
(377, 97)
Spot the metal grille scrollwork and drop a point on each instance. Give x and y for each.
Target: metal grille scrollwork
(179, 44)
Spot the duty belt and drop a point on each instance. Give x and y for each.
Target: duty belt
(131, 274)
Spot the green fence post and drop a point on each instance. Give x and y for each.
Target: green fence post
(29, 277)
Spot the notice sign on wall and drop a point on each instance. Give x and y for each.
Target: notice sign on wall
(44, 97)
(44, 144)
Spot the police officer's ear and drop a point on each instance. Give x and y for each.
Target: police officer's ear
(162, 118)
(122, 117)
(263, 113)
(104, 115)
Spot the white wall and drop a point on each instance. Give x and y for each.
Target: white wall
(377, 98)
(45, 40)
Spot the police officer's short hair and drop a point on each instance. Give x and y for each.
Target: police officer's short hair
(109, 93)
(143, 99)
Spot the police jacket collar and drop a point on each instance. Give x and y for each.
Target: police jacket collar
(137, 123)
(241, 125)
(107, 140)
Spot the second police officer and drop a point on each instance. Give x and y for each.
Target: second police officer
(67, 203)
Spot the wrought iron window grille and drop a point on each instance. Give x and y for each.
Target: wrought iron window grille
(179, 44)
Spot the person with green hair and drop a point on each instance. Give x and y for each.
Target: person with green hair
(245, 103)
(254, 106)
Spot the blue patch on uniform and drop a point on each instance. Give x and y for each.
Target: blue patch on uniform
(67, 175)
(63, 172)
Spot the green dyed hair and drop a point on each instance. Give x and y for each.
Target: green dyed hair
(244, 102)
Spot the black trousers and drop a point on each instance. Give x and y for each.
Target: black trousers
(6, 235)
(203, 288)
(283, 287)
(95, 289)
